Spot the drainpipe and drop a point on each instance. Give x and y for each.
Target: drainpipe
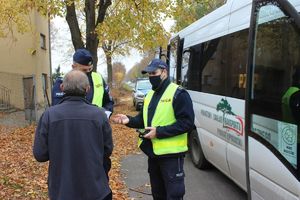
(49, 33)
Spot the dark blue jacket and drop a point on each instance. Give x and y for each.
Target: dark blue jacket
(184, 114)
(56, 93)
(108, 102)
(75, 137)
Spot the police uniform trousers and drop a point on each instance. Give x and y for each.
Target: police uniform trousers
(167, 177)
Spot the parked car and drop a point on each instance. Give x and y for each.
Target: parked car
(142, 87)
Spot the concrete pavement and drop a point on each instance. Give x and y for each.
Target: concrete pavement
(200, 185)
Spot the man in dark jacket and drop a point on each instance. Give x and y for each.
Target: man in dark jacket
(98, 93)
(168, 116)
(75, 137)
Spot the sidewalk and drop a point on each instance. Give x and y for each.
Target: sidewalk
(12, 121)
(210, 184)
(134, 171)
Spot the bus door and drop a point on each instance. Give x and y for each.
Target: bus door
(175, 54)
(273, 101)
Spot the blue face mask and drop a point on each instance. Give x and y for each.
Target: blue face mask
(155, 81)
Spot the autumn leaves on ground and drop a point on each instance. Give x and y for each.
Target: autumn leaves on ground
(21, 177)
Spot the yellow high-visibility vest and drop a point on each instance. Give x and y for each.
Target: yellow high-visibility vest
(98, 89)
(163, 116)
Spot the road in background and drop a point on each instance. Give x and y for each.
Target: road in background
(200, 185)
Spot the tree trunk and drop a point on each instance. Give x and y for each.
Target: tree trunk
(109, 68)
(107, 48)
(92, 40)
(72, 21)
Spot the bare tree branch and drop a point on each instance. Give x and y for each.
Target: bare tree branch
(116, 46)
(113, 9)
(103, 5)
(136, 4)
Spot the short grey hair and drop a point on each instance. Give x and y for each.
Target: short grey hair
(75, 83)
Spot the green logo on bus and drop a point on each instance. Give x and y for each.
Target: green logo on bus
(234, 125)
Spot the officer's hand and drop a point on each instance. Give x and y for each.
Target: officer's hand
(120, 119)
(151, 134)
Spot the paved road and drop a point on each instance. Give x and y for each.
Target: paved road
(200, 185)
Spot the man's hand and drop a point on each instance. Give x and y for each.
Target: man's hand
(151, 134)
(120, 119)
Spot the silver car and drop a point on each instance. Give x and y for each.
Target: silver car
(142, 87)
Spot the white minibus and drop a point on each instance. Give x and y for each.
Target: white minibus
(237, 63)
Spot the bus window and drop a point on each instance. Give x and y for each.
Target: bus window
(185, 68)
(193, 79)
(223, 64)
(236, 64)
(217, 66)
(275, 61)
(213, 65)
(173, 59)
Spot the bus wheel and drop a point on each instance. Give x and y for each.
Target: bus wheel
(196, 151)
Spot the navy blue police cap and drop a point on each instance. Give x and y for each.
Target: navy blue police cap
(83, 57)
(154, 65)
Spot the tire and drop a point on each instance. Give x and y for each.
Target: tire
(196, 151)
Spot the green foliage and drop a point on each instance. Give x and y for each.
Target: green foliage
(187, 11)
(15, 14)
(136, 24)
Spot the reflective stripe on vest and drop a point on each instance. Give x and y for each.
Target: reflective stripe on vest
(98, 89)
(286, 110)
(163, 116)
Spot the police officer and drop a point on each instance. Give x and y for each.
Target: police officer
(99, 93)
(168, 116)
